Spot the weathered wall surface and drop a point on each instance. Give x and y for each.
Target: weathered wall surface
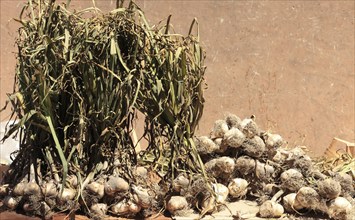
(289, 63)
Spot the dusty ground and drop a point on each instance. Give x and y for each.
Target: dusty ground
(289, 63)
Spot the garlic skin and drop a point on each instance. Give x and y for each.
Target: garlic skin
(134, 208)
(254, 147)
(245, 165)
(339, 208)
(233, 121)
(329, 188)
(221, 192)
(180, 183)
(141, 172)
(238, 187)
(234, 138)
(271, 209)
(270, 188)
(115, 185)
(278, 157)
(208, 204)
(219, 129)
(96, 189)
(72, 180)
(45, 208)
(221, 167)
(176, 203)
(31, 188)
(295, 153)
(141, 196)
(222, 146)
(205, 145)
(308, 198)
(27, 207)
(49, 189)
(11, 202)
(66, 195)
(125, 208)
(4, 190)
(272, 141)
(99, 209)
(120, 208)
(249, 128)
(290, 203)
(264, 171)
(292, 180)
(19, 189)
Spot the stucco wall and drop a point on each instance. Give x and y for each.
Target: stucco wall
(289, 63)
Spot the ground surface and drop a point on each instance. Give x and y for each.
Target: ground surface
(289, 63)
